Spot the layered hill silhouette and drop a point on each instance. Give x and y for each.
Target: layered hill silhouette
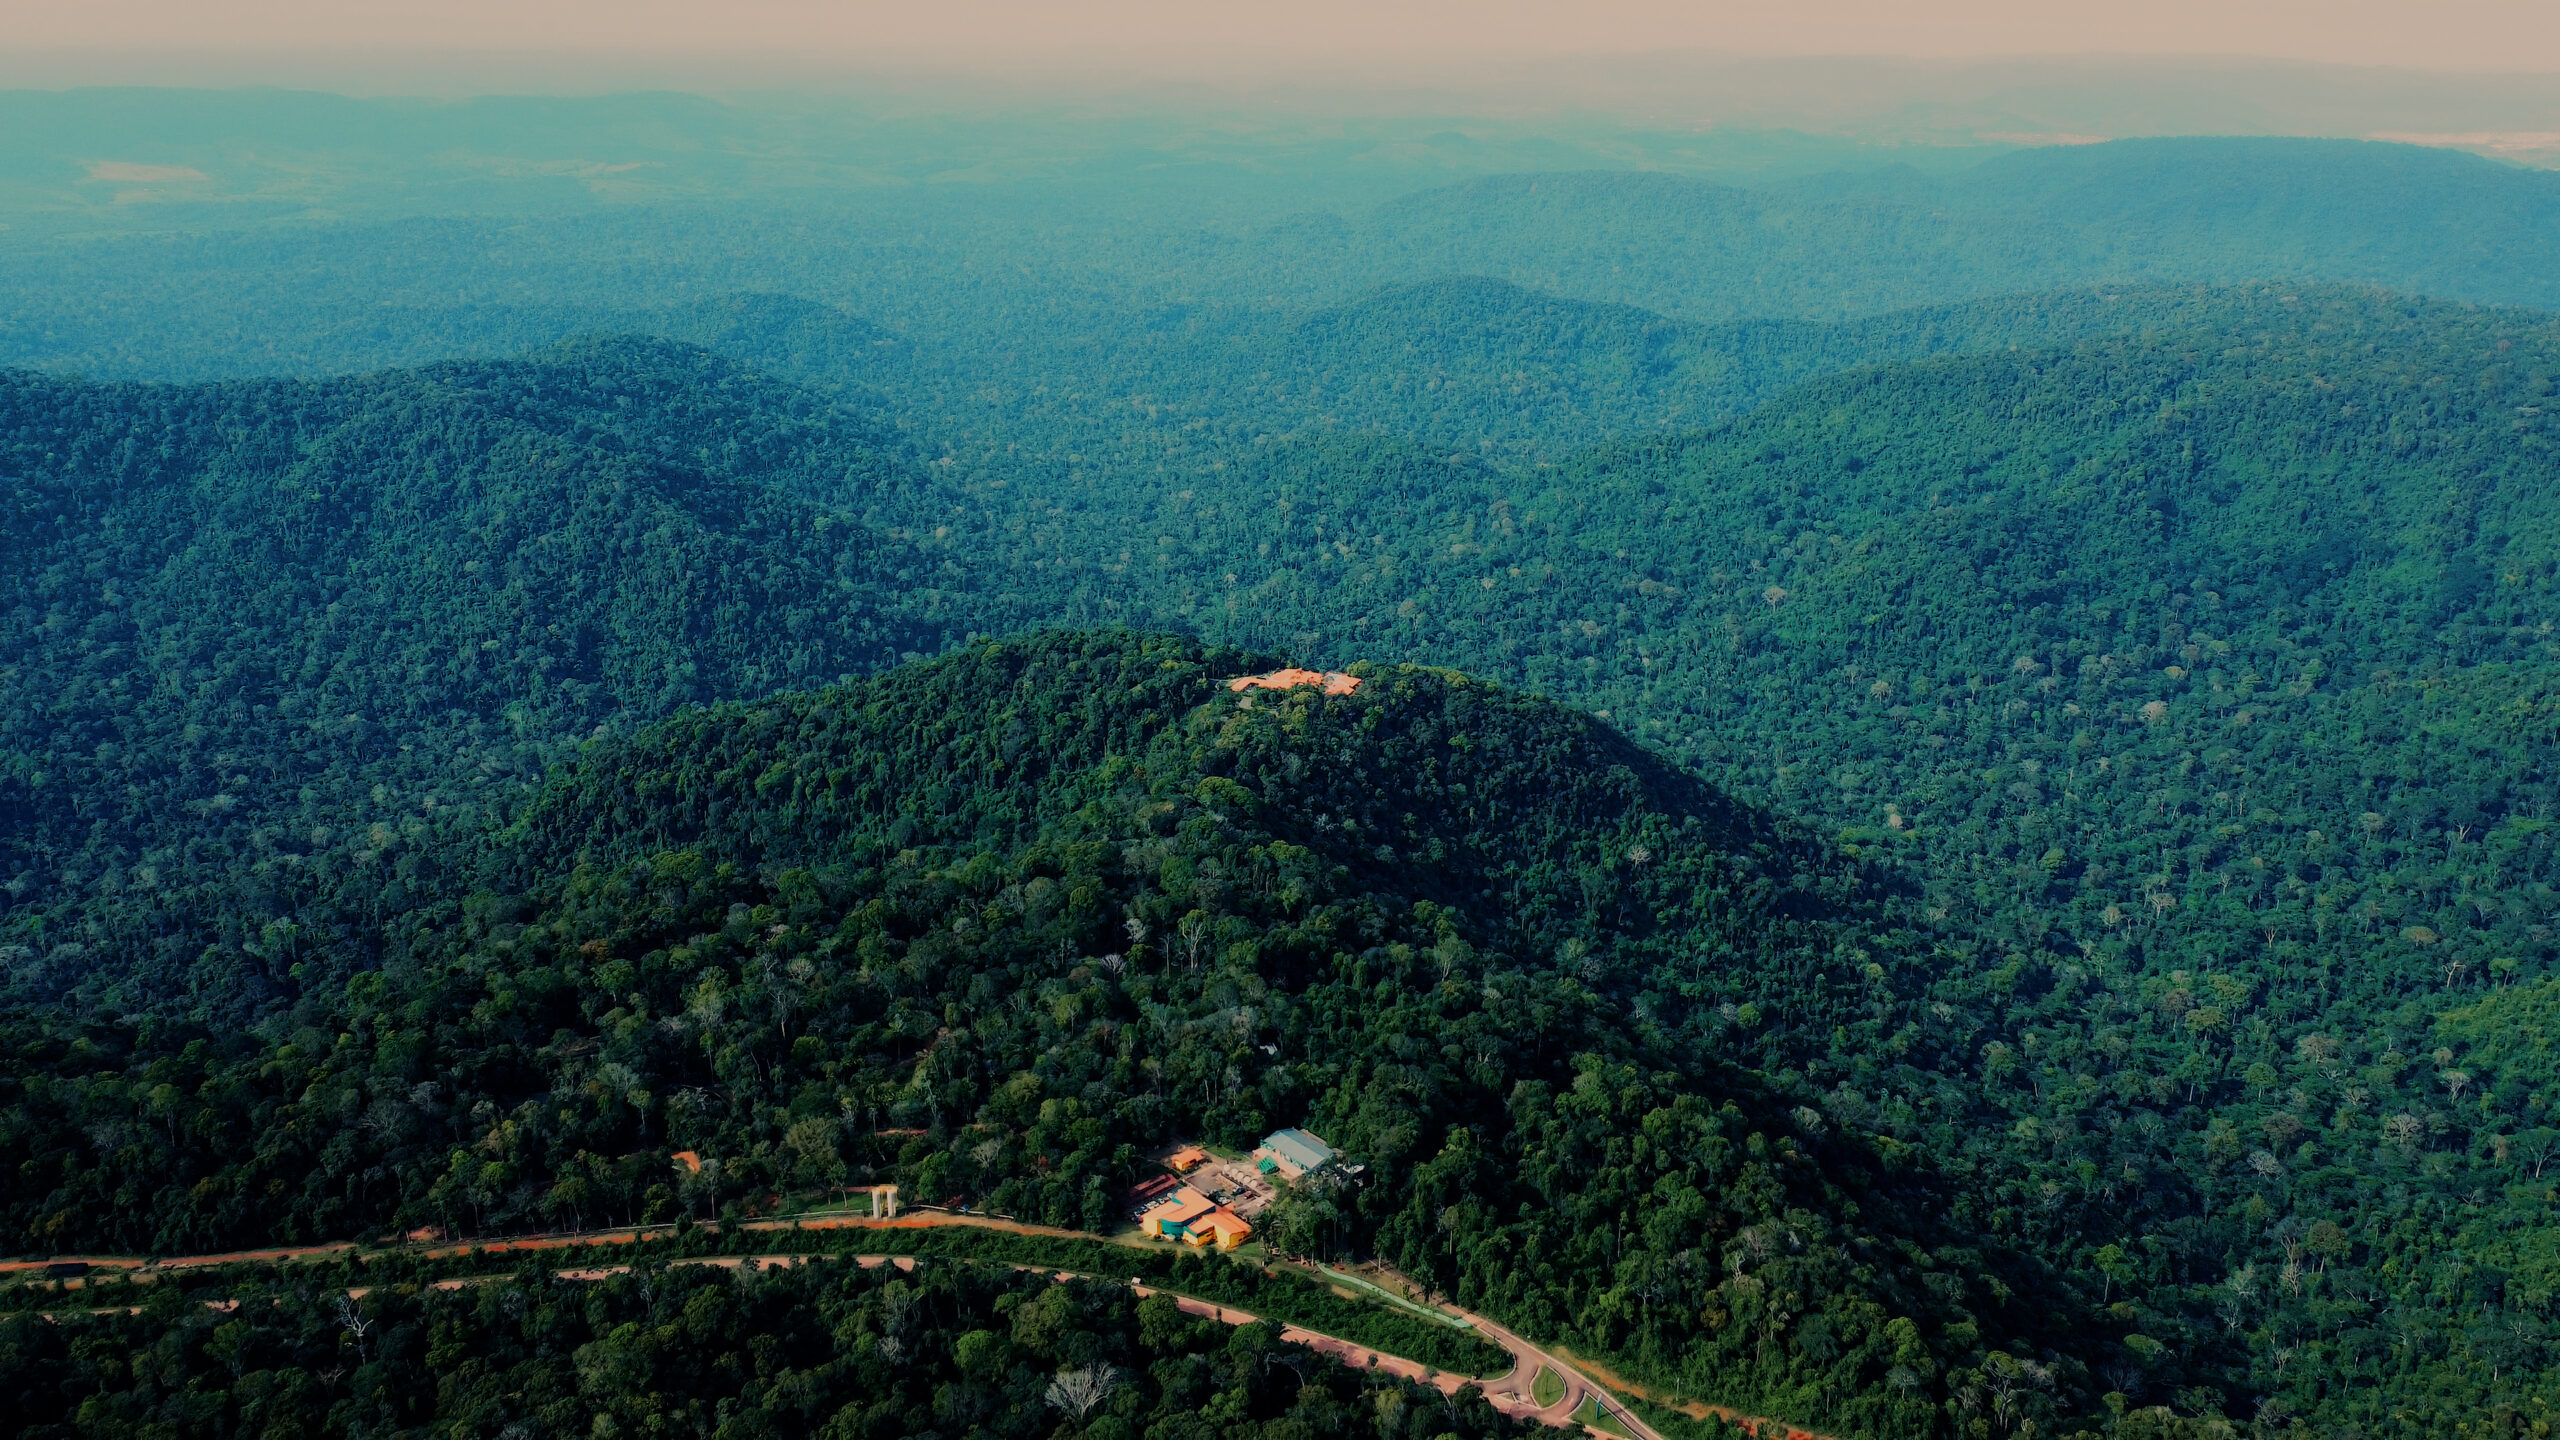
(1037, 324)
(2161, 711)
(2209, 209)
(1497, 371)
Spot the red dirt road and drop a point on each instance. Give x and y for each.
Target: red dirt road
(1510, 1392)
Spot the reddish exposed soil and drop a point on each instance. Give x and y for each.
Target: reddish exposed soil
(1331, 682)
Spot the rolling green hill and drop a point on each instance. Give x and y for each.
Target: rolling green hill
(992, 924)
(2200, 682)
(2093, 800)
(1512, 375)
(264, 636)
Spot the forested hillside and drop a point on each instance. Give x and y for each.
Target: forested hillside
(1506, 374)
(821, 1347)
(2172, 706)
(266, 638)
(1947, 830)
(748, 535)
(993, 924)
(2206, 679)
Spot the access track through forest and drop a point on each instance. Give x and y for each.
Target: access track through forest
(1512, 1392)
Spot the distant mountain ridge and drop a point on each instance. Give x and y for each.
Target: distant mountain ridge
(1492, 369)
(2214, 210)
(1003, 321)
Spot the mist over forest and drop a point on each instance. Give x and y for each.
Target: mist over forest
(1928, 808)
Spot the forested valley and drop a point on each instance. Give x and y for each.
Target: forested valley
(1974, 867)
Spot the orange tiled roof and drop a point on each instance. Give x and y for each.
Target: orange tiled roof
(1182, 1207)
(1333, 682)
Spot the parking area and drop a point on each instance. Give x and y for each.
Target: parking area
(1234, 1184)
(1240, 1187)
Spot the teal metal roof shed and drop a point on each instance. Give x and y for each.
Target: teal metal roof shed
(1299, 1148)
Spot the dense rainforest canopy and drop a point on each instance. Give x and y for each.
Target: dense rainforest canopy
(997, 923)
(1909, 856)
(833, 1348)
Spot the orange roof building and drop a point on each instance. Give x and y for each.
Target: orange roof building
(1195, 1220)
(1188, 1157)
(1171, 1217)
(1221, 1227)
(1332, 682)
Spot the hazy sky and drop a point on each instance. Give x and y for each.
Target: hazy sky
(1154, 34)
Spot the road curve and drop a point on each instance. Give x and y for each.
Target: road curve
(1512, 1392)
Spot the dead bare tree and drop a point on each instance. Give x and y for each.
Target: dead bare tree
(356, 1323)
(1078, 1390)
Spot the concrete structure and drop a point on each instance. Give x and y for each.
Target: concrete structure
(1194, 1219)
(1221, 1227)
(884, 1202)
(1171, 1216)
(1293, 1153)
